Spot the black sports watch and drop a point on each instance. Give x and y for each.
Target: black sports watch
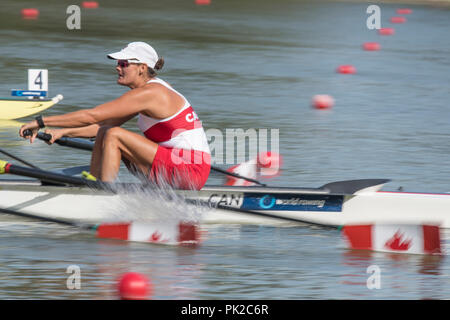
(40, 122)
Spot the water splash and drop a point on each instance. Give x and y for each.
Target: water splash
(153, 202)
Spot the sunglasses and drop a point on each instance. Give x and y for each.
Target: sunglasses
(123, 63)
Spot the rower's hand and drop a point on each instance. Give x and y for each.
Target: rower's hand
(32, 126)
(56, 134)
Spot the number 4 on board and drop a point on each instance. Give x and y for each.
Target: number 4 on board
(38, 79)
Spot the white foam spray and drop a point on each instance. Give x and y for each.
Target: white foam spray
(153, 203)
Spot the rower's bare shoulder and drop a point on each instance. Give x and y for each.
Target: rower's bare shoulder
(146, 92)
(157, 87)
(158, 91)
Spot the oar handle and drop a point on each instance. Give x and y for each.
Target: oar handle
(27, 133)
(41, 135)
(44, 136)
(64, 141)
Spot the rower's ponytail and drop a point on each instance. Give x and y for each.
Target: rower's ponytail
(158, 66)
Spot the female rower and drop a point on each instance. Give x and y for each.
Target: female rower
(174, 148)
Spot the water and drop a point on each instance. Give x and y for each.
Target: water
(252, 64)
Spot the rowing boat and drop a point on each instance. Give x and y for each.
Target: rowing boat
(333, 204)
(10, 123)
(16, 108)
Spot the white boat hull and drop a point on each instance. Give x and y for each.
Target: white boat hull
(83, 204)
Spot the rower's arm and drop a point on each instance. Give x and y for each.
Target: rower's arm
(82, 132)
(117, 122)
(115, 111)
(87, 131)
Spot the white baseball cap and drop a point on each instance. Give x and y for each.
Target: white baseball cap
(139, 52)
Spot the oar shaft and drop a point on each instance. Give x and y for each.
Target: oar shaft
(44, 219)
(68, 142)
(235, 175)
(48, 176)
(168, 233)
(18, 159)
(64, 141)
(268, 215)
(45, 175)
(259, 214)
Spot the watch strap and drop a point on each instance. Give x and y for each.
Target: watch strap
(40, 122)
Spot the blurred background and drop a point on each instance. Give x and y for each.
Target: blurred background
(245, 64)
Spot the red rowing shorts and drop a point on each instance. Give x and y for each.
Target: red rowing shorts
(180, 168)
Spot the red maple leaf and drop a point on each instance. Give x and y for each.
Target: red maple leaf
(155, 236)
(397, 243)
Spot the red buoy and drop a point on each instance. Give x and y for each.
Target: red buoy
(269, 159)
(404, 11)
(269, 164)
(90, 4)
(386, 31)
(202, 2)
(322, 101)
(346, 69)
(134, 286)
(371, 46)
(30, 13)
(398, 20)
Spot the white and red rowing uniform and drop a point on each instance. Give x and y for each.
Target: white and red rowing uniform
(183, 158)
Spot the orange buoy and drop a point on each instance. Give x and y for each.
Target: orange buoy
(202, 2)
(404, 11)
(386, 31)
(30, 13)
(90, 4)
(398, 20)
(134, 286)
(371, 46)
(322, 101)
(346, 69)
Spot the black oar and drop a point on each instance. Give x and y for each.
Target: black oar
(51, 177)
(18, 159)
(48, 219)
(68, 171)
(88, 145)
(259, 214)
(75, 170)
(235, 175)
(26, 163)
(185, 236)
(76, 143)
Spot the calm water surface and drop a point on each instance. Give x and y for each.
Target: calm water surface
(253, 64)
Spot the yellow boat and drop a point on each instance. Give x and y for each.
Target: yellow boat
(16, 108)
(10, 123)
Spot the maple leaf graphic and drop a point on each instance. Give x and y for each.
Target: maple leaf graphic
(397, 243)
(155, 236)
